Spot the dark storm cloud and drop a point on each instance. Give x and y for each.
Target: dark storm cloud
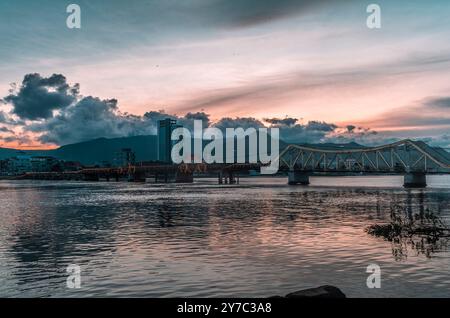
(321, 126)
(21, 140)
(6, 119)
(281, 121)
(154, 116)
(439, 102)
(37, 96)
(204, 117)
(3, 117)
(247, 13)
(244, 122)
(312, 132)
(5, 130)
(90, 118)
(315, 132)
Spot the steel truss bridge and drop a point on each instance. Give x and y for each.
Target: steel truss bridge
(414, 159)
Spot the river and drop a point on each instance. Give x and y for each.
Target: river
(257, 239)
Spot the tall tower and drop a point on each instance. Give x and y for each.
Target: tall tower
(165, 128)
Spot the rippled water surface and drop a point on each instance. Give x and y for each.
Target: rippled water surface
(260, 238)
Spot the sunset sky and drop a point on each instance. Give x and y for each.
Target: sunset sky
(247, 60)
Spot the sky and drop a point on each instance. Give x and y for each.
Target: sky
(312, 68)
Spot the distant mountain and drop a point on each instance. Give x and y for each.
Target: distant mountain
(97, 150)
(8, 153)
(104, 149)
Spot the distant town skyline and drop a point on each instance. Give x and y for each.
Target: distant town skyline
(313, 68)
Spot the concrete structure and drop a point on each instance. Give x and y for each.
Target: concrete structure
(184, 177)
(228, 177)
(415, 180)
(165, 143)
(298, 177)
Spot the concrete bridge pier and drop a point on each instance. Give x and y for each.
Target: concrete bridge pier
(415, 180)
(184, 177)
(137, 177)
(298, 177)
(231, 177)
(91, 177)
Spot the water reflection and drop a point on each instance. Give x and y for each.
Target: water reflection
(209, 240)
(44, 237)
(415, 227)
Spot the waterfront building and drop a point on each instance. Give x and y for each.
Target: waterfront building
(165, 143)
(19, 164)
(44, 164)
(23, 163)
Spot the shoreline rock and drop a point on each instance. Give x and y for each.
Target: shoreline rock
(326, 291)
